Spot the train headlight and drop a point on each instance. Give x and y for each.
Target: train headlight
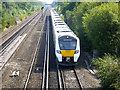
(77, 51)
(58, 51)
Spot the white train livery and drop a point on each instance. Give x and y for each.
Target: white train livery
(67, 44)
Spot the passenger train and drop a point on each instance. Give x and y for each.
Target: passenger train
(66, 43)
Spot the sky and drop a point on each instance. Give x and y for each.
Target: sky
(47, 1)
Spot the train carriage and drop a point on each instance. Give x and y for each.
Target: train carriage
(67, 44)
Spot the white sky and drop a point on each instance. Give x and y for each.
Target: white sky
(47, 1)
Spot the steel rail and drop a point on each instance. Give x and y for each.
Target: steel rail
(59, 78)
(63, 79)
(46, 60)
(33, 60)
(80, 85)
(19, 35)
(47, 54)
(43, 77)
(14, 36)
(25, 20)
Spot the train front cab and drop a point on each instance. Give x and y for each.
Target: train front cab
(69, 51)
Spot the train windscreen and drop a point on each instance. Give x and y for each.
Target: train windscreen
(67, 44)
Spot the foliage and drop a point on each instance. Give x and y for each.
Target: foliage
(101, 26)
(11, 10)
(0, 17)
(79, 11)
(69, 19)
(67, 6)
(63, 7)
(109, 71)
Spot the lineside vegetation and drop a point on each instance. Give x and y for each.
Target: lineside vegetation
(11, 10)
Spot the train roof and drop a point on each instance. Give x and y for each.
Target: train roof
(54, 14)
(64, 31)
(60, 27)
(59, 22)
(69, 33)
(57, 18)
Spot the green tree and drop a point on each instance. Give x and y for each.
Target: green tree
(79, 12)
(11, 10)
(101, 26)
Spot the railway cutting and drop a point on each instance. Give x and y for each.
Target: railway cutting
(48, 56)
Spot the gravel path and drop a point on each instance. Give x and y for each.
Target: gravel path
(21, 60)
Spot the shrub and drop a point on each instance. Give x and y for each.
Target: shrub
(101, 25)
(11, 10)
(108, 71)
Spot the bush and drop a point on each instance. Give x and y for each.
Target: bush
(21, 17)
(108, 71)
(69, 19)
(11, 10)
(101, 26)
(78, 13)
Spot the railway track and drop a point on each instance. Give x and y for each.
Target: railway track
(15, 40)
(68, 78)
(12, 29)
(46, 60)
(18, 31)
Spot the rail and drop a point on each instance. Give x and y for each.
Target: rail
(80, 85)
(10, 39)
(33, 59)
(46, 61)
(61, 78)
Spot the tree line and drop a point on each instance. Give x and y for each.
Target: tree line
(11, 10)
